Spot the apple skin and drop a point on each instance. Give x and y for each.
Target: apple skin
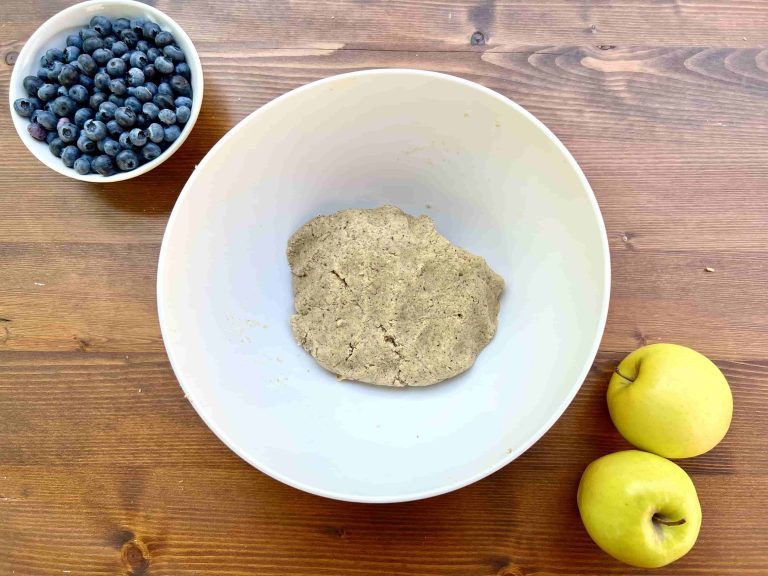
(670, 400)
(640, 508)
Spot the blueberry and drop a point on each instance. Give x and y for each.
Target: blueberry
(64, 106)
(165, 88)
(37, 131)
(71, 54)
(163, 101)
(129, 37)
(125, 117)
(69, 132)
(109, 41)
(53, 71)
(32, 84)
(183, 101)
(150, 30)
(103, 165)
(142, 94)
(46, 119)
(142, 46)
(86, 81)
(117, 100)
(126, 58)
(132, 103)
(120, 24)
(86, 63)
(86, 33)
(114, 128)
(102, 55)
(125, 141)
(50, 137)
(138, 59)
(83, 164)
(52, 55)
(97, 99)
(24, 107)
(182, 114)
(181, 86)
(106, 111)
(164, 65)
(108, 146)
(79, 94)
(61, 122)
(153, 53)
(119, 48)
(101, 81)
(151, 86)
(150, 110)
(92, 44)
(150, 72)
(172, 133)
(62, 91)
(117, 86)
(163, 39)
(137, 25)
(167, 116)
(156, 133)
(75, 40)
(42, 73)
(82, 115)
(95, 130)
(141, 120)
(182, 69)
(85, 144)
(135, 77)
(69, 155)
(138, 137)
(116, 67)
(127, 160)
(69, 75)
(175, 53)
(150, 151)
(101, 24)
(56, 146)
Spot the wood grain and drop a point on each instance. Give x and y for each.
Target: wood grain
(106, 469)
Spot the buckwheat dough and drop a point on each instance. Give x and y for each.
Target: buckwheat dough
(382, 297)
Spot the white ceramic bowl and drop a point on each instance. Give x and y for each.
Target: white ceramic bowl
(53, 34)
(495, 180)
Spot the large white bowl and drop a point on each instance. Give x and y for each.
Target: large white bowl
(53, 34)
(495, 180)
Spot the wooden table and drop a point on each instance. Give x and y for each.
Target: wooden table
(106, 469)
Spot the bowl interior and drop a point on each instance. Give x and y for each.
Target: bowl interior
(54, 32)
(494, 180)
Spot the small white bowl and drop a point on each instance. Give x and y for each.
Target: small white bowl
(53, 34)
(495, 181)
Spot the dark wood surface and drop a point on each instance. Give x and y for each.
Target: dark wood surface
(105, 468)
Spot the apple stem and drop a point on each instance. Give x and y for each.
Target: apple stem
(622, 375)
(666, 521)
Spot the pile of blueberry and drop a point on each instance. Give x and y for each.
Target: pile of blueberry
(113, 99)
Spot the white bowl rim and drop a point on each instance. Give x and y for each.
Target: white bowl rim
(406, 497)
(20, 123)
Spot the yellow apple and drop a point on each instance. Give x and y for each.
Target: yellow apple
(670, 400)
(640, 508)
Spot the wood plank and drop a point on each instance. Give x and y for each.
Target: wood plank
(100, 298)
(134, 409)
(655, 131)
(152, 478)
(448, 25)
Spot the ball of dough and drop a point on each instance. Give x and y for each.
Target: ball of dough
(381, 297)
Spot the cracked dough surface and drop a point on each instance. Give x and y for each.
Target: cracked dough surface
(381, 297)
